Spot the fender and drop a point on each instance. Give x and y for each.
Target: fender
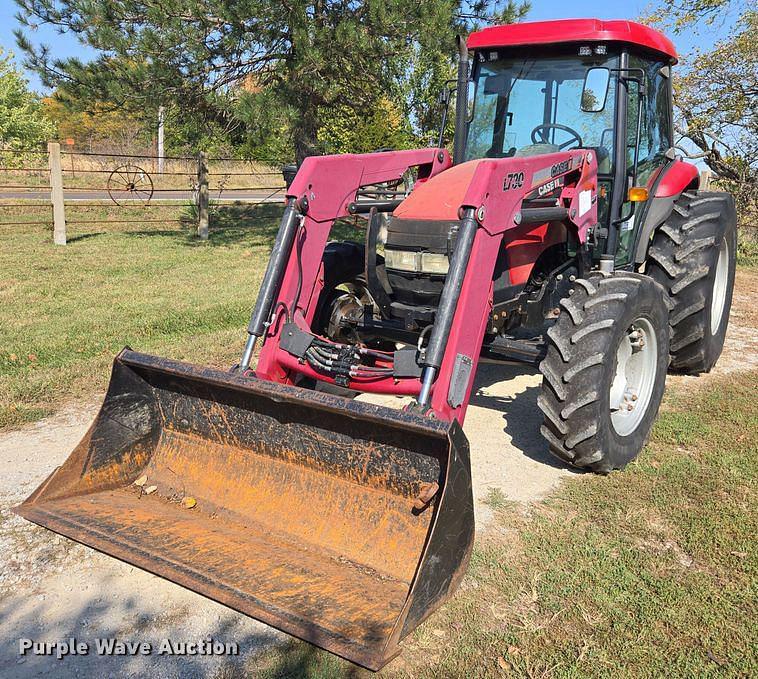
(669, 183)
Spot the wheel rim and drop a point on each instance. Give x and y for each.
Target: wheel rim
(347, 307)
(720, 284)
(634, 381)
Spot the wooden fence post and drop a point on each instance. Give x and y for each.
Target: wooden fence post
(706, 176)
(56, 192)
(202, 196)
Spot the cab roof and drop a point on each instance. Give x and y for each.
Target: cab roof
(573, 30)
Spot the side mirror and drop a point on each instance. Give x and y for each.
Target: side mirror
(497, 84)
(595, 89)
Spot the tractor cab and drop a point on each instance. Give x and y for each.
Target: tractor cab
(581, 83)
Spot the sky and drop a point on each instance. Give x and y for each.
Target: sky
(67, 45)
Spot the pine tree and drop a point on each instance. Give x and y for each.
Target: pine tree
(317, 55)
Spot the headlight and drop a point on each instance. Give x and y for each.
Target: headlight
(432, 262)
(416, 262)
(402, 260)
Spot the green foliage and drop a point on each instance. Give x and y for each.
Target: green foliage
(682, 15)
(186, 134)
(716, 95)
(346, 131)
(716, 98)
(97, 127)
(198, 54)
(268, 123)
(23, 124)
(430, 65)
(747, 246)
(250, 70)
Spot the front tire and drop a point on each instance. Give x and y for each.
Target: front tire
(605, 370)
(342, 265)
(693, 256)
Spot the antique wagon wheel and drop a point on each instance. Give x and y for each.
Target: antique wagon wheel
(129, 184)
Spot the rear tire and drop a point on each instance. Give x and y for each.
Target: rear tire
(605, 370)
(693, 256)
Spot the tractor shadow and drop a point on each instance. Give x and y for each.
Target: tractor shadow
(237, 224)
(512, 391)
(301, 660)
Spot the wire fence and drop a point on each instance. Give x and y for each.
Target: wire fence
(55, 187)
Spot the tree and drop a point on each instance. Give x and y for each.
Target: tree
(22, 122)
(313, 56)
(98, 127)
(431, 64)
(681, 15)
(383, 127)
(717, 103)
(716, 93)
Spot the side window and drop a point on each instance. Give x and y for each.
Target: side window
(655, 131)
(596, 129)
(481, 129)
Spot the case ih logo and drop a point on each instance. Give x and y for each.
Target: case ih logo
(551, 186)
(548, 173)
(560, 168)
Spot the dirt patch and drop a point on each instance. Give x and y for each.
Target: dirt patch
(52, 588)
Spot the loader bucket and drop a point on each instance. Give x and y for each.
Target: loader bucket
(315, 514)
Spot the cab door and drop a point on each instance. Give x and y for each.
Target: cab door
(649, 106)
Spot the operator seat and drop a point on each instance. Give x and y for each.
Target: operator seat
(603, 159)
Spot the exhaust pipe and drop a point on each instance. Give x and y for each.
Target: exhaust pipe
(461, 103)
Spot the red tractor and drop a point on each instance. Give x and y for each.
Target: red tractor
(564, 232)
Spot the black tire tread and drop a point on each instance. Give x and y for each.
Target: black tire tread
(680, 257)
(579, 343)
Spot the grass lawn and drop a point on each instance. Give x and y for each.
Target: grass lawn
(646, 573)
(66, 311)
(642, 573)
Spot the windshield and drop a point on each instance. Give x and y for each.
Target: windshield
(533, 106)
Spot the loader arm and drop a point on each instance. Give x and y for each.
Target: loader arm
(485, 196)
(320, 194)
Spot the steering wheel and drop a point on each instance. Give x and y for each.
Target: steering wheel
(539, 135)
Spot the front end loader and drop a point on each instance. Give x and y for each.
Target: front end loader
(564, 233)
